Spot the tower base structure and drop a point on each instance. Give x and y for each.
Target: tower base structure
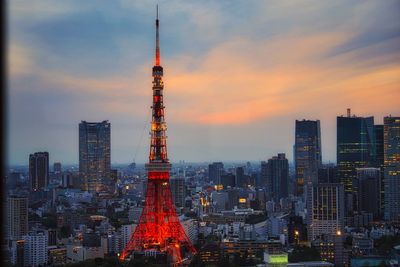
(159, 229)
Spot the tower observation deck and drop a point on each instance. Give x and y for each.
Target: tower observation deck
(159, 230)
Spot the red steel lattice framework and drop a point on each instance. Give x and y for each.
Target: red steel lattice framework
(159, 229)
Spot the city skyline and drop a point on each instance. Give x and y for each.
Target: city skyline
(213, 53)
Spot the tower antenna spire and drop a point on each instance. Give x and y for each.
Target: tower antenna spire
(157, 40)
(159, 229)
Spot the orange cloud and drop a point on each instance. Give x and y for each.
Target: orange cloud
(243, 81)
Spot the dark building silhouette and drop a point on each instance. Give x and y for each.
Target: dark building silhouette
(228, 180)
(94, 156)
(307, 153)
(57, 167)
(91, 240)
(39, 170)
(379, 146)
(355, 149)
(328, 174)
(178, 189)
(240, 177)
(277, 177)
(13, 180)
(263, 174)
(380, 159)
(215, 170)
(52, 237)
(369, 193)
(297, 230)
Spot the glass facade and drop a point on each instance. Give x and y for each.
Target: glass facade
(355, 149)
(39, 170)
(277, 177)
(392, 167)
(307, 152)
(94, 155)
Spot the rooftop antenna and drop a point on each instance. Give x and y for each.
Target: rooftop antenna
(157, 41)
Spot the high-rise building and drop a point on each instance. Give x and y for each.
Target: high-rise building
(126, 233)
(327, 210)
(17, 253)
(328, 174)
(263, 181)
(13, 179)
(215, 170)
(392, 167)
(307, 150)
(369, 193)
(355, 149)
(380, 159)
(228, 180)
(277, 177)
(57, 167)
(35, 249)
(241, 180)
(39, 170)
(178, 189)
(17, 216)
(94, 156)
(51, 237)
(379, 146)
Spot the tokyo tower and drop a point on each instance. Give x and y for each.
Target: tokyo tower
(159, 229)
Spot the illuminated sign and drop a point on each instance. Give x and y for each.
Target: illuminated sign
(218, 187)
(242, 200)
(280, 258)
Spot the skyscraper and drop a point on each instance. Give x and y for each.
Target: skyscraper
(39, 170)
(277, 177)
(215, 170)
(263, 174)
(228, 180)
(17, 216)
(57, 167)
(380, 159)
(369, 193)
(379, 145)
(94, 156)
(240, 177)
(392, 167)
(327, 210)
(178, 189)
(307, 150)
(355, 149)
(328, 174)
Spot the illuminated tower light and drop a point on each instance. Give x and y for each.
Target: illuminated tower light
(159, 229)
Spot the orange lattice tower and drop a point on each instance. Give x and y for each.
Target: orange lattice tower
(159, 229)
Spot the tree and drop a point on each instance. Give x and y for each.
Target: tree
(65, 231)
(304, 253)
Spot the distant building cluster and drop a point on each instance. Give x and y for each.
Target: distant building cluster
(267, 213)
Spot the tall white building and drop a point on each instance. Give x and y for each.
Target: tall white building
(191, 228)
(35, 251)
(276, 227)
(126, 233)
(17, 217)
(327, 210)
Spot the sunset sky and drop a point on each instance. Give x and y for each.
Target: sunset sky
(237, 74)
